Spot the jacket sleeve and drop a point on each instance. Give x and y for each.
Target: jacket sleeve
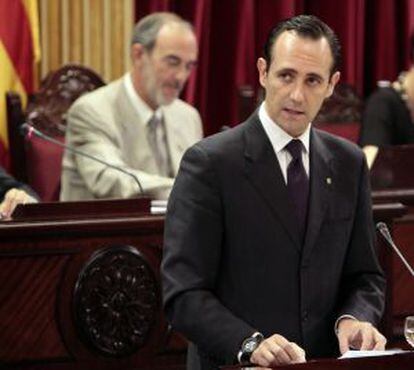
(8, 182)
(193, 244)
(363, 282)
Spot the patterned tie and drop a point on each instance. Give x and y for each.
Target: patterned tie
(298, 184)
(158, 143)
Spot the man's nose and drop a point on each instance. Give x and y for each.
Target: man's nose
(182, 74)
(296, 94)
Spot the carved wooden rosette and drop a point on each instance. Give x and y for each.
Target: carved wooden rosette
(115, 301)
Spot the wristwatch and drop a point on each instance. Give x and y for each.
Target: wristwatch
(248, 346)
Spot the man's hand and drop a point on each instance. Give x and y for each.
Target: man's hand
(12, 198)
(277, 350)
(359, 335)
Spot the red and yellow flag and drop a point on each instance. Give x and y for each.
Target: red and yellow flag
(19, 56)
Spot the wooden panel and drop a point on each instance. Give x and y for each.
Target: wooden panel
(44, 38)
(403, 303)
(107, 52)
(392, 180)
(29, 285)
(402, 361)
(97, 26)
(117, 40)
(94, 33)
(65, 33)
(58, 291)
(75, 30)
(54, 36)
(129, 11)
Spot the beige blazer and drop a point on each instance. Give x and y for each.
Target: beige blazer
(104, 124)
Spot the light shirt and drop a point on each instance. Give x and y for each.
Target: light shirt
(142, 109)
(159, 143)
(280, 138)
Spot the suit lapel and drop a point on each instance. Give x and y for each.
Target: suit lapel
(320, 180)
(263, 171)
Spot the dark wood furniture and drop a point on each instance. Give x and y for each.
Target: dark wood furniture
(343, 106)
(35, 161)
(403, 361)
(392, 179)
(341, 113)
(80, 288)
(390, 213)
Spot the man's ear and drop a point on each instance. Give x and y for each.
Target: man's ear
(333, 81)
(137, 51)
(262, 68)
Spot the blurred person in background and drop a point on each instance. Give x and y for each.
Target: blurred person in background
(389, 114)
(138, 122)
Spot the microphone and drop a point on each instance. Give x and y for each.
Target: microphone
(28, 131)
(383, 229)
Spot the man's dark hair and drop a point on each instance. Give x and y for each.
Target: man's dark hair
(305, 26)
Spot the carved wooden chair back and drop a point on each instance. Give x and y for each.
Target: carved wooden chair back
(34, 160)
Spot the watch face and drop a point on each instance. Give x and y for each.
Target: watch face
(250, 345)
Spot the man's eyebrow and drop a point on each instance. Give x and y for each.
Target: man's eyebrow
(315, 75)
(176, 58)
(172, 56)
(286, 70)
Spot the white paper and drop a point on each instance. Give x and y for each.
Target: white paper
(158, 207)
(159, 203)
(158, 210)
(358, 354)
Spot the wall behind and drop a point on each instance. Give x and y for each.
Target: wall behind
(374, 35)
(94, 33)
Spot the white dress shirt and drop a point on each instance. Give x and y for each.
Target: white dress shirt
(280, 138)
(147, 115)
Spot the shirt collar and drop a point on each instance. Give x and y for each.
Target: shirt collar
(142, 109)
(277, 136)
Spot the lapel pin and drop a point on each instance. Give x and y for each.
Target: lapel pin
(328, 180)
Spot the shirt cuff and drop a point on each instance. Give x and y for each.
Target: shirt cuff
(340, 318)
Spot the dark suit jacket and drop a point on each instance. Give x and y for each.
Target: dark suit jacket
(233, 262)
(8, 182)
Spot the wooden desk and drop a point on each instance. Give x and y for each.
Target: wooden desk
(80, 288)
(403, 361)
(392, 179)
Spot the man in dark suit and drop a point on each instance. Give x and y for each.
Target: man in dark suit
(269, 240)
(12, 193)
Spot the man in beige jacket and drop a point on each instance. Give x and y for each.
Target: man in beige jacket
(137, 122)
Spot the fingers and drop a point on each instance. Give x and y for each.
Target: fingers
(296, 353)
(371, 338)
(277, 350)
(343, 343)
(367, 338)
(380, 342)
(11, 199)
(359, 335)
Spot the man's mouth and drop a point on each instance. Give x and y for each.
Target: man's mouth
(173, 86)
(293, 112)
